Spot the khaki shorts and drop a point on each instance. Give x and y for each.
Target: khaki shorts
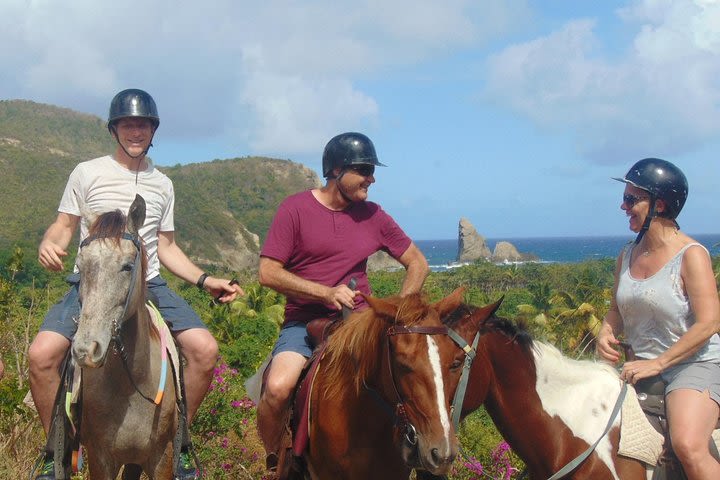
(700, 376)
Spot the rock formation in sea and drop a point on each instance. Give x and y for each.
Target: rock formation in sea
(382, 261)
(472, 246)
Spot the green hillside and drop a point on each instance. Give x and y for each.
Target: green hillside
(223, 207)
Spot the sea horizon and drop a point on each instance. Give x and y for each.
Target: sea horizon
(442, 254)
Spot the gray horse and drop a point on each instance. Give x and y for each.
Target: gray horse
(120, 356)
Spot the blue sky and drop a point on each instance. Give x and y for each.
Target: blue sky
(511, 113)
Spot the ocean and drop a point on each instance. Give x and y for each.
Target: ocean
(441, 254)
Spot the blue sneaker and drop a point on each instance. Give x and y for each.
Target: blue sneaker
(46, 468)
(186, 468)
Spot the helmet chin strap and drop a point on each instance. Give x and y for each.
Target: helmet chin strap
(139, 155)
(339, 187)
(648, 219)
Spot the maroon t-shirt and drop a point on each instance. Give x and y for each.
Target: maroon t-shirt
(329, 247)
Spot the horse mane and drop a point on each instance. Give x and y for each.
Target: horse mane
(568, 367)
(354, 350)
(111, 226)
(516, 332)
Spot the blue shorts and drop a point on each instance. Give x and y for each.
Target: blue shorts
(700, 376)
(293, 338)
(63, 316)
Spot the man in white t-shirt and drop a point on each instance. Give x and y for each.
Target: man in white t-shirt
(106, 184)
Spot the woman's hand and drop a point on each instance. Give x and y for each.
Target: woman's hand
(606, 344)
(639, 369)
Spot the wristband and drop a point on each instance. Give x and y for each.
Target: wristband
(201, 281)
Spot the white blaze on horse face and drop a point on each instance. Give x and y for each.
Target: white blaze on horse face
(434, 355)
(581, 393)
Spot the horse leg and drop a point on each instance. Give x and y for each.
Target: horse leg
(131, 472)
(162, 469)
(99, 469)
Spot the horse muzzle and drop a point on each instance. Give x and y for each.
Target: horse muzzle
(418, 453)
(89, 355)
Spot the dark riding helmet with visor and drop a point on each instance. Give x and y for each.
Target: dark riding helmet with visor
(346, 150)
(663, 181)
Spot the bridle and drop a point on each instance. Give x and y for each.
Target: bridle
(135, 239)
(402, 422)
(117, 324)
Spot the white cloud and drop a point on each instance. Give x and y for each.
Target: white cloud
(658, 97)
(279, 74)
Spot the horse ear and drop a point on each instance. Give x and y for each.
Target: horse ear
(382, 307)
(85, 212)
(88, 215)
(483, 313)
(136, 215)
(450, 303)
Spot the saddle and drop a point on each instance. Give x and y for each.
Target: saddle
(651, 396)
(296, 434)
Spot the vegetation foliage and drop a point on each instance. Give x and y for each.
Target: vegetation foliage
(39, 145)
(561, 303)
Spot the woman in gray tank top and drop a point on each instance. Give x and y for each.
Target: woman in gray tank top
(665, 302)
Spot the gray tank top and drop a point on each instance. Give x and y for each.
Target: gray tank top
(656, 312)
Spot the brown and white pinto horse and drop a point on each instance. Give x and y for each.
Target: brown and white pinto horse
(549, 408)
(380, 402)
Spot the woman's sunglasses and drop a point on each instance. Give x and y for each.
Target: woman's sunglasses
(363, 170)
(631, 200)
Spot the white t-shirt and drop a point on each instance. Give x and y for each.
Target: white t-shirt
(103, 185)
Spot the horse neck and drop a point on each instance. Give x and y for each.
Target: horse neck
(137, 339)
(511, 398)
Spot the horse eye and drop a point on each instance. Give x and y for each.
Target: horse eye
(456, 364)
(127, 267)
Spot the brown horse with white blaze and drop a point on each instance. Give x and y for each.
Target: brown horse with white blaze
(120, 355)
(549, 408)
(380, 402)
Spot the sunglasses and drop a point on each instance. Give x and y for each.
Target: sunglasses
(631, 200)
(363, 170)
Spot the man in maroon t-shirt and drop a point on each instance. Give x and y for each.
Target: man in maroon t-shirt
(319, 240)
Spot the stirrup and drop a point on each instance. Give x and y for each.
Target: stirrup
(271, 461)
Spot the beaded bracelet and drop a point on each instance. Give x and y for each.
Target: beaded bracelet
(201, 281)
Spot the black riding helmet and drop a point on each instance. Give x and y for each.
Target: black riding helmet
(346, 149)
(133, 102)
(662, 180)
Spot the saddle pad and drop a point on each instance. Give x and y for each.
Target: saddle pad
(638, 438)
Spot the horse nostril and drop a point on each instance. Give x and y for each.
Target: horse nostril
(94, 350)
(435, 457)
